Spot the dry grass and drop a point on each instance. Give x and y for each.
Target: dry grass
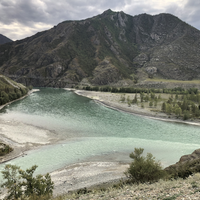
(165, 190)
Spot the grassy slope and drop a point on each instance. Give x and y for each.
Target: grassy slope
(7, 82)
(166, 190)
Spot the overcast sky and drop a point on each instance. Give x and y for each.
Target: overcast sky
(23, 18)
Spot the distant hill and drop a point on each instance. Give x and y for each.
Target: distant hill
(4, 39)
(112, 48)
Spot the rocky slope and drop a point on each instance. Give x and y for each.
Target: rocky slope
(109, 49)
(4, 39)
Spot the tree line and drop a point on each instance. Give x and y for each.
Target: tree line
(177, 90)
(8, 94)
(187, 106)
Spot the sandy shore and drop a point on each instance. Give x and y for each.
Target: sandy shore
(22, 137)
(88, 174)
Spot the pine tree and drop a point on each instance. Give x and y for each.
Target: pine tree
(164, 107)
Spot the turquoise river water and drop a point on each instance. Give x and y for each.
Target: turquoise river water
(93, 132)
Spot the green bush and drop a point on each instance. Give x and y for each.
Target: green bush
(5, 149)
(22, 184)
(144, 169)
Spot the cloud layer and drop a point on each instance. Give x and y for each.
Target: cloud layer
(23, 18)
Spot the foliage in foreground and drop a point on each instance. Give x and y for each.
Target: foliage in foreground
(22, 185)
(144, 169)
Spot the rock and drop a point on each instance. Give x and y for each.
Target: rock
(151, 70)
(190, 157)
(141, 59)
(187, 165)
(105, 73)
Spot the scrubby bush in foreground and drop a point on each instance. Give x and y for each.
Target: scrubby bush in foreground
(23, 185)
(144, 169)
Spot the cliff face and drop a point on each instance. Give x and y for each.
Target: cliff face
(108, 49)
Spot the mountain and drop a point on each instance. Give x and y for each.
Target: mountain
(4, 39)
(112, 48)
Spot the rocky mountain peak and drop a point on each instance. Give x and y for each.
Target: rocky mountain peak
(161, 45)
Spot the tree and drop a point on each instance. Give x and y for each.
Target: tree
(177, 110)
(169, 108)
(122, 98)
(186, 115)
(150, 104)
(155, 102)
(22, 183)
(144, 169)
(164, 107)
(135, 99)
(4, 97)
(11, 174)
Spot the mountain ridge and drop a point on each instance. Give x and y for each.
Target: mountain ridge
(112, 48)
(4, 39)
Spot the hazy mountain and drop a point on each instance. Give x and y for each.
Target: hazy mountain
(4, 39)
(109, 49)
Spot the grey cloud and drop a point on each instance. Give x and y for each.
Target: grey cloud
(28, 13)
(139, 9)
(192, 11)
(22, 11)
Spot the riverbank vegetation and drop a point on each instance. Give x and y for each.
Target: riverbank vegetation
(5, 149)
(176, 103)
(10, 90)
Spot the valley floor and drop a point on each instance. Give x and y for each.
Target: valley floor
(112, 100)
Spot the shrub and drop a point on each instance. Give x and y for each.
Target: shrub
(21, 184)
(144, 169)
(5, 149)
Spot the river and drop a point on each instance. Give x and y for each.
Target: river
(93, 132)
